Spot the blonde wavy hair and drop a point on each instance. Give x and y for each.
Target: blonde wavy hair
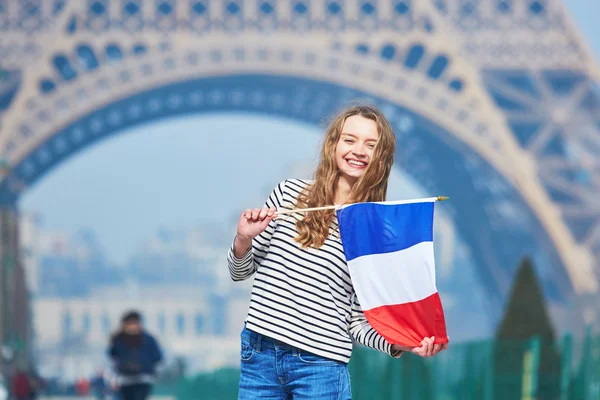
(313, 229)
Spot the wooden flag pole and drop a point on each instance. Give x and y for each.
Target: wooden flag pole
(297, 210)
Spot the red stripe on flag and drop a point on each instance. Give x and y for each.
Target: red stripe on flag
(409, 323)
(440, 321)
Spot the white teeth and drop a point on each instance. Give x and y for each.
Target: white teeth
(361, 164)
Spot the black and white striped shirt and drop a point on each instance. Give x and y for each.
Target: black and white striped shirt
(303, 297)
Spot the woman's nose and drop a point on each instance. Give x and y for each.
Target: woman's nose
(359, 150)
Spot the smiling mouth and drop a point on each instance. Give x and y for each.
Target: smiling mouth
(356, 163)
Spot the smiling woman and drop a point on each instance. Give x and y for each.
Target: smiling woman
(304, 314)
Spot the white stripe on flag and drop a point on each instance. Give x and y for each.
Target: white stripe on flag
(394, 278)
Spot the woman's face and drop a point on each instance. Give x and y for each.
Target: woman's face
(355, 147)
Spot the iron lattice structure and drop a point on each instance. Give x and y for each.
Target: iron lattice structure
(494, 102)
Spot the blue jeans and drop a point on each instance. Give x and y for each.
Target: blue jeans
(271, 369)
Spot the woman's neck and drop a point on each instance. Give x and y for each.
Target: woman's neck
(343, 191)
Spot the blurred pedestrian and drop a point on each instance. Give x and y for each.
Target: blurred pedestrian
(98, 385)
(36, 384)
(135, 354)
(82, 387)
(21, 388)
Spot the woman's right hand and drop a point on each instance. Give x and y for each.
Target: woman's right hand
(251, 224)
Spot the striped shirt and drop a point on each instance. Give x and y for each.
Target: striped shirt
(303, 297)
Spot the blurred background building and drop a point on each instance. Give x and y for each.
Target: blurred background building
(133, 132)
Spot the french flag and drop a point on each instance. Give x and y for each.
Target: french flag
(389, 251)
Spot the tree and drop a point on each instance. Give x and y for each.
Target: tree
(525, 317)
(525, 314)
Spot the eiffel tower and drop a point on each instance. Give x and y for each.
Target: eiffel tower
(495, 103)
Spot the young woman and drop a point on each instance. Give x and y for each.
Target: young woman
(304, 314)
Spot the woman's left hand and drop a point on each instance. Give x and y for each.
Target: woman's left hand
(427, 349)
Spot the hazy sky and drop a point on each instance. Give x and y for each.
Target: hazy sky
(175, 173)
(585, 14)
(179, 171)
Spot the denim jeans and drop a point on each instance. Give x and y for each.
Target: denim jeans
(274, 370)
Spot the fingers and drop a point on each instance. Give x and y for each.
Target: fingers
(427, 347)
(421, 350)
(424, 345)
(259, 214)
(252, 222)
(418, 351)
(266, 213)
(263, 213)
(430, 346)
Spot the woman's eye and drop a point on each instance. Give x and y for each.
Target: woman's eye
(348, 141)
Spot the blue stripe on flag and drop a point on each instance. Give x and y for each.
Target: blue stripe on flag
(371, 228)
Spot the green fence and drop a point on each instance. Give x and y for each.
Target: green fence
(486, 370)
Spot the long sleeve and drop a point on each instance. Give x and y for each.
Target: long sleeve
(112, 350)
(157, 355)
(244, 267)
(362, 332)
